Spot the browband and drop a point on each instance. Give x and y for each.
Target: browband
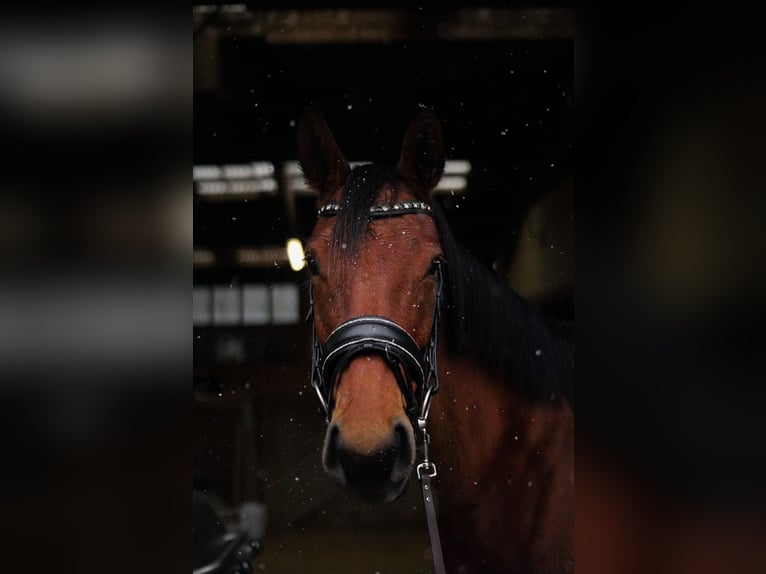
(382, 210)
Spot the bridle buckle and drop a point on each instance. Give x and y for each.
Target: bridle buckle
(426, 468)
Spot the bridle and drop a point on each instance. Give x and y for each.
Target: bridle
(372, 334)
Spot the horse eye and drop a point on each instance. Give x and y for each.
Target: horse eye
(312, 264)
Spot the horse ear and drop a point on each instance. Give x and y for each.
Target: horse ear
(323, 165)
(421, 162)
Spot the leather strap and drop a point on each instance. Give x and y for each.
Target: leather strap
(433, 527)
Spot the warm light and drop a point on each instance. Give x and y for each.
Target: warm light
(295, 254)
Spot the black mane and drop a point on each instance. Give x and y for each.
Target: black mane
(484, 319)
(488, 321)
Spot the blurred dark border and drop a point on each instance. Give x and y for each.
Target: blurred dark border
(670, 381)
(95, 297)
(670, 288)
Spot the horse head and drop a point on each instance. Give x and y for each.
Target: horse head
(374, 258)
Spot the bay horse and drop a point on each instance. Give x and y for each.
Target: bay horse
(400, 311)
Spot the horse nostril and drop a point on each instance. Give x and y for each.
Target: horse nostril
(365, 472)
(404, 446)
(402, 442)
(330, 453)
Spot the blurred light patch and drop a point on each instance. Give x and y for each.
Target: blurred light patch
(204, 258)
(75, 69)
(455, 178)
(234, 180)
(256, 169)
(256, 305)
(227, 305)
(457, 167)
(285, 301)
(223, 8)
(268, 256)
(202, 306)
(295, 254)
(450, 183)
(248, 304)
(48, 332)
(225, 189)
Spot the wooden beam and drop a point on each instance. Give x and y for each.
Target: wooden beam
(384, 26)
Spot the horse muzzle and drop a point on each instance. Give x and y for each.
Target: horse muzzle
(372, 476)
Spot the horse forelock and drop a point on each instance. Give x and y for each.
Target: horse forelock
(366, 185)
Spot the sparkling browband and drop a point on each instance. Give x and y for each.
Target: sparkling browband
(401, 208)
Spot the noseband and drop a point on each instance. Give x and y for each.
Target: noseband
(375, 335)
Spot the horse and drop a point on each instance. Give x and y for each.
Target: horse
(411, 329)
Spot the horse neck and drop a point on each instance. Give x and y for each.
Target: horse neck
(484, 430)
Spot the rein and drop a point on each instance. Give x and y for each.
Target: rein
(372, 334)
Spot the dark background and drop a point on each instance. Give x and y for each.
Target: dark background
(98, 459)
(506, 105)
(505, 97)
